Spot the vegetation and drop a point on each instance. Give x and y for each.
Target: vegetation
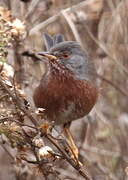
(30, 151)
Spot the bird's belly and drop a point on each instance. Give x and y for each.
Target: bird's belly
(70, 113)
(66, 109)
(67, 102)
(63, 115)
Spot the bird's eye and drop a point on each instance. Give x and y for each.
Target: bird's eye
(65, 56)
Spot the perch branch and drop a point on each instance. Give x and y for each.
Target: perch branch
(69, 160)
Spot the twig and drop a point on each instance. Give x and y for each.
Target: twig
(35, 162)
(105, 50)
(33, 120)
(103, 152)
(72, 26)
(106, 171)
(69, 160)
(33, 148)
(55, 17)
(3, 96)
(31, 54)
(32, 6)
(70, 176)
(19, 116)
(114, 85)
(18, 122)
(7, 151)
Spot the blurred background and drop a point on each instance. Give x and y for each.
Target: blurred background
(101, 27)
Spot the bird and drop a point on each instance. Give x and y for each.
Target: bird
(67, 91)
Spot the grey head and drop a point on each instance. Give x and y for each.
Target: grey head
(71, 55)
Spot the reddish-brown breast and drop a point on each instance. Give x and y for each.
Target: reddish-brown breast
(65, 98)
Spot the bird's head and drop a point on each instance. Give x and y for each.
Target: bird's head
(71, 56)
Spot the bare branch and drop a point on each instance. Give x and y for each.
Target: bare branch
(114, 85)
(102, 46)
(55, 17)
(79, 168)
(72, 26)
(32, 6)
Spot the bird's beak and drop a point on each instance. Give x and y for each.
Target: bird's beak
(47, 55)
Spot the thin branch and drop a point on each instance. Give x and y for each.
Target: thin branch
(105, 50)
(72, 26)
(31, 9)
(33, 120)
(114, 85)
(102, 152)
(31, 54)
(35, 162)
(69, 160)
(18, 122)
(7, 151)
(55, 17)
